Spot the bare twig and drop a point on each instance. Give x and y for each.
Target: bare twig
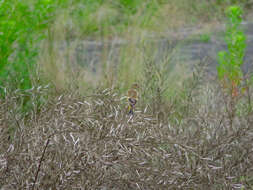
(40, 162)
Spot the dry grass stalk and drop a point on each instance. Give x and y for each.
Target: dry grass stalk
(95, 145)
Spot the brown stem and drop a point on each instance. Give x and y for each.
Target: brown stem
(40, 162)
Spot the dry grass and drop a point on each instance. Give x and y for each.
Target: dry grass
(71, 141)
(76, 142)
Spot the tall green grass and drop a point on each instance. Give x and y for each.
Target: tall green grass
(22, 27)
(24, 24)
(131, 20)
(116, 18)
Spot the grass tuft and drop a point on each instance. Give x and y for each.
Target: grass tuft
(99, 146)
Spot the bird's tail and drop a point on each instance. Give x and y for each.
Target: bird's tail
(130, 110)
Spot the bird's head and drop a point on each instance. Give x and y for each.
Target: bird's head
(135, 86)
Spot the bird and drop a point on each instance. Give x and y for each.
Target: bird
(132, 98)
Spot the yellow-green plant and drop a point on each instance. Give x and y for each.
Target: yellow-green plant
(230, 61)
(22, 26)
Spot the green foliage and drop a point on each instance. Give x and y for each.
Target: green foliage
(205, 38)
(106, 18)
(22, 26)
(129, 6)
(99, 18)
(230, 61)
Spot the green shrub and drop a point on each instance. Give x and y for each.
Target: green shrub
(230, 61)
(22, 27)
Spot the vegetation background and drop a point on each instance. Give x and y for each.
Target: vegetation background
(64, 126)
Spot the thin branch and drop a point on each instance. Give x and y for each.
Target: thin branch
(40, 162)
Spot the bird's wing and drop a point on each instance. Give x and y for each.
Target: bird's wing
(132, 94)
(132, 101)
